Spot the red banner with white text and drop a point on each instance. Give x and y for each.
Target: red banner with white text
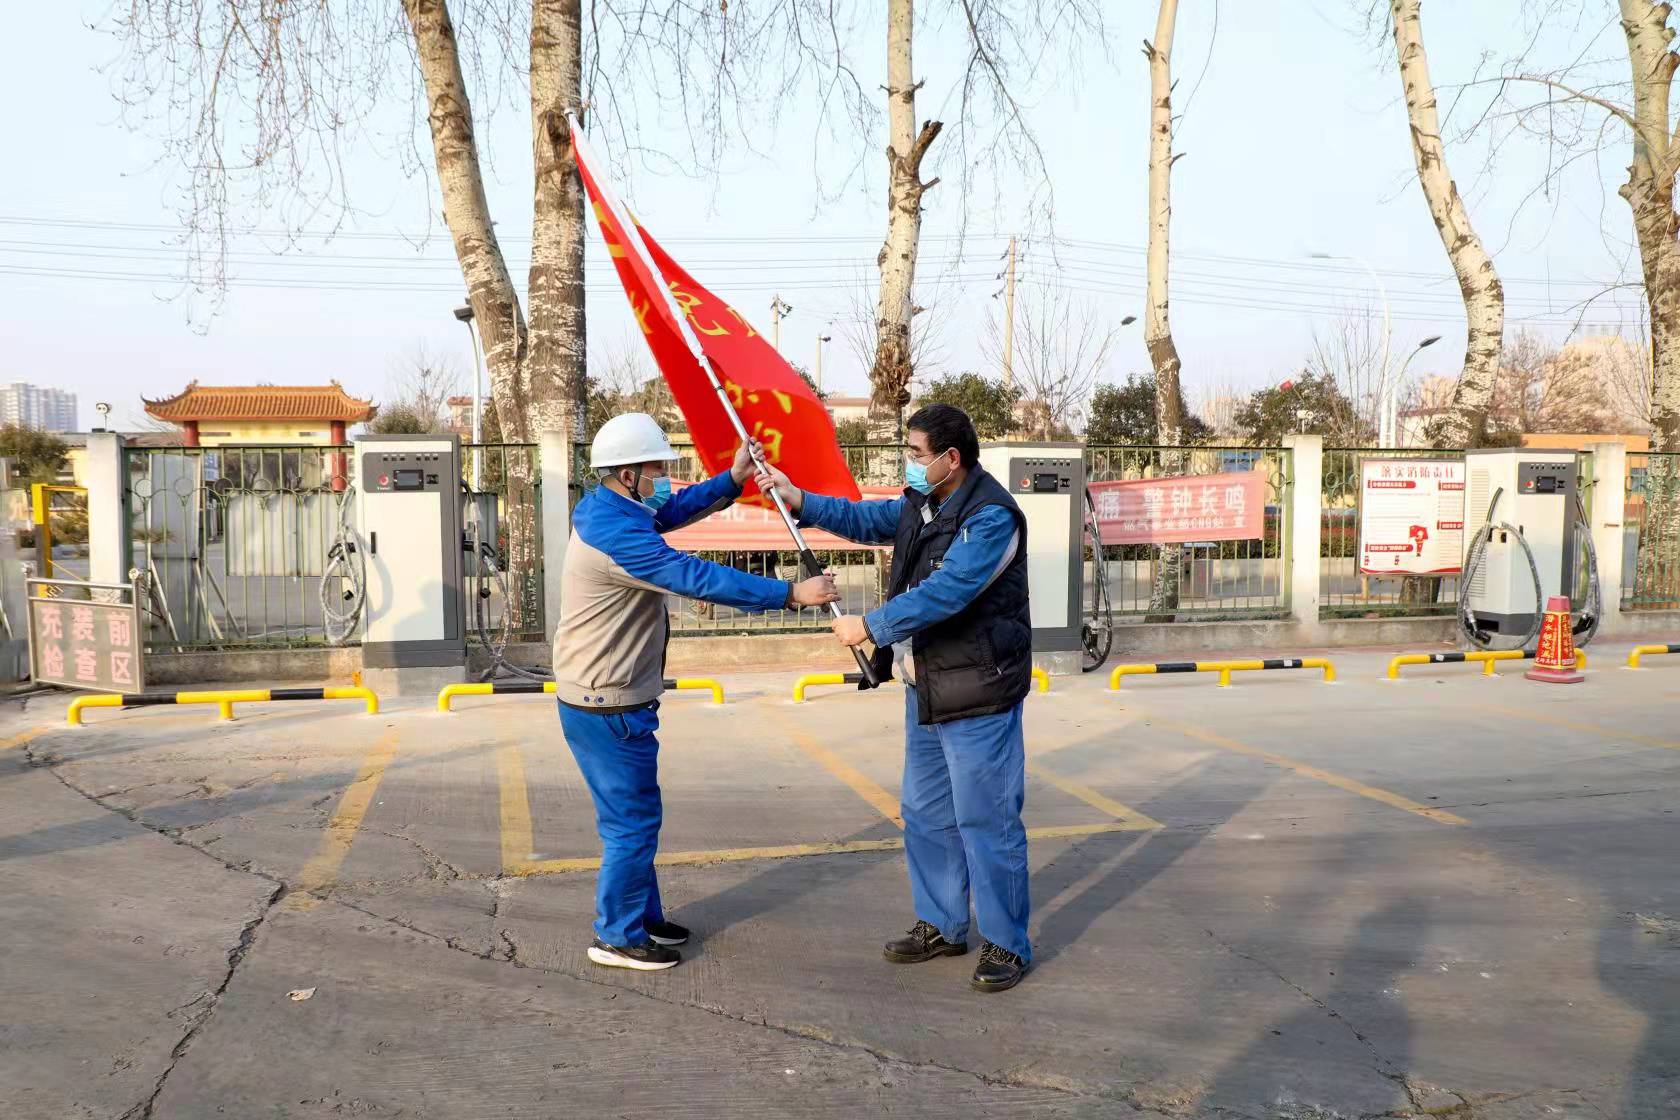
(1182, 509)
(742, 528)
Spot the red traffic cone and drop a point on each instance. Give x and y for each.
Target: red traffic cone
(1554, 660)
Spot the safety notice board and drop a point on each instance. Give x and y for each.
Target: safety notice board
(1411, 516)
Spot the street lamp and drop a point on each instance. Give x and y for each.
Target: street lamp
(1392, 417)
(821, 338)
(1385, 438)
(465, 315)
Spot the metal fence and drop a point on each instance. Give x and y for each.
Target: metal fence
(1651, 555)
(504, 481)
(1343, 591)
(1216, 579)
(233, 540)
(1224, 579)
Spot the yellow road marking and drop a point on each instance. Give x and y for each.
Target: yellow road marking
(793, 851)
(861, 784)
(1306, 771)
(1597, 730)
(23, 737)
(321, 872)
(1123, 814)
(516, 810)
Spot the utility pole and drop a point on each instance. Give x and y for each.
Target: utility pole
(821, 338)
(778, 308)
(1009, 320)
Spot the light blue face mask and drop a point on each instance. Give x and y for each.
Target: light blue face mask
(916, 477)
(661, 494)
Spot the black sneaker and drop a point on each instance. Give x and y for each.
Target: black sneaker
(646, 958)
(998, 970)
(923, 943)
(666, 933)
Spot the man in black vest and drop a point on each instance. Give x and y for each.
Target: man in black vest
(956, 629)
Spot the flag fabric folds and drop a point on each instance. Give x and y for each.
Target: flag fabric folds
(774, 403)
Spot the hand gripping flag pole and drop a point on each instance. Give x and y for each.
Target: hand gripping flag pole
(632, 235)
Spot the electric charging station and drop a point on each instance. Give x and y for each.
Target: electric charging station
(1527, 549)
(409, 517)
(1047, 480)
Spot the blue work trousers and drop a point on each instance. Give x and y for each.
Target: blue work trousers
(964, 785)
(619, 756)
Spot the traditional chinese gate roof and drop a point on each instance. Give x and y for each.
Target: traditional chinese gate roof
(259, 403)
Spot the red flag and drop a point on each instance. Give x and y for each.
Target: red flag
(775, 404)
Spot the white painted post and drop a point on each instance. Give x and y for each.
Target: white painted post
(1306, 498)
(1609, 511)
(108, 530)
(554, 463)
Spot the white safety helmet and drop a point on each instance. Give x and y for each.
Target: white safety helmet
(629, 440)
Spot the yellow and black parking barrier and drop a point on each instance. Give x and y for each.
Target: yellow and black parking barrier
(1642, 651)
(446, 698)
(224, 699)
(810, 680)
(1223, 668)
(1487, 658)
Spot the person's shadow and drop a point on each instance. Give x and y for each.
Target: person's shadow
(1136, 858)
(1387, 945)
(1632, 964)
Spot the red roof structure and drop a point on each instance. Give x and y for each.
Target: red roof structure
(259, 403)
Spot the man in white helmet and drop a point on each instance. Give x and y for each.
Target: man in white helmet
(609, 660)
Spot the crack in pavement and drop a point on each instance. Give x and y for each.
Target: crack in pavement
(801, 1033)
(436, 866)
(236, 957)
(508, 954)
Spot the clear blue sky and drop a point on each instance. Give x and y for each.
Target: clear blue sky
(1294, 141)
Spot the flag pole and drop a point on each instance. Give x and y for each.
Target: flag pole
(808, 562)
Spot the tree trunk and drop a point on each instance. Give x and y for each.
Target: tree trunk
(890, 376)
(1650, 192)
(1478, 282)
(1163, 355)
(536, 376)
(554, 373)
(466, 212)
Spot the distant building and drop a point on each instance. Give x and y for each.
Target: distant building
(49, 410)
(216, 415)
(460, 415)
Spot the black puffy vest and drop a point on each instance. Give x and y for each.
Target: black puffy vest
(979, 661)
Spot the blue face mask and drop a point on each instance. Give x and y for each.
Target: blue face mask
(661, 494)
(916, 477)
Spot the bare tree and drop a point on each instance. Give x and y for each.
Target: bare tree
(1006, 43)
(1627, 379)
(1578, 101)
(271, 95)
(421, 382)
(891, 369)
(1157, 324)
(1062, 345)
(1349, 354)
(1478, 282)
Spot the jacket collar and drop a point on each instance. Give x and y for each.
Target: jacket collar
(619, 502)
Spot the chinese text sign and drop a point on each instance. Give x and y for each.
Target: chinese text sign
(1411, 516)
(1182, 509)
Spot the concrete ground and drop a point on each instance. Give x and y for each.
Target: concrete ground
(1447, 896)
